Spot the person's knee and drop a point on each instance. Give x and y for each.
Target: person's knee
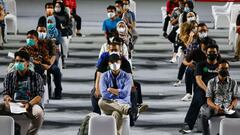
(37, 112)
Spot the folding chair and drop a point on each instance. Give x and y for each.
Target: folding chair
(6, 125)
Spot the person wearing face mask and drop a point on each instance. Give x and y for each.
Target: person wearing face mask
(115, 88)
(39, 55)
(130, 19)
(53, 68)
(222, 96)
(48, 12)
(110, 24)
(205, 71)
(102, 66)
(119, 8)
(25, 86)
(188, 7)
(170, 5)
(52, 31)
(191, 60)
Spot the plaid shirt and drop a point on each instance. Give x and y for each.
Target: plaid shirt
(36, 84)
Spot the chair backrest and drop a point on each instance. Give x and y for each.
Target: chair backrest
(234, 13)
(230, 126)
(11, 6)
(102, 125)
(6, 125)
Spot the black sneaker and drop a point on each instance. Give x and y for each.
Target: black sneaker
(185, 129)
(235, 59)
(79, 34)
(165, 35)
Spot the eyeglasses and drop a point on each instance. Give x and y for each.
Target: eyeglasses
(20, 61)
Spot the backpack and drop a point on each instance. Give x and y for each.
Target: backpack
(83, 130)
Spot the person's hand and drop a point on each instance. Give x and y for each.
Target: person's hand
(113, 91)
(45, 66)
(97, 93)
(219, 109)
(191, 65)
(27, 106)
(230, 107)
(7, 99)
(191, 34)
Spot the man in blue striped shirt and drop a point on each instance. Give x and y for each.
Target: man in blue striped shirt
(115, 88)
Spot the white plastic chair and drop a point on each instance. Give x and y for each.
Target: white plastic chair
(232, 25)
(222, 17)
(6, 125)
(102, 125)
(230, 126)
(214, 124)
(11, 18)
(221, 8)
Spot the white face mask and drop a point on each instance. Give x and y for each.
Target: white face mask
(189, 19)
(126, 7)
(57, 9)
(202, 34)
(42, 35)
(115, 66)
(111, 14)
(118, 53)
(121, 30)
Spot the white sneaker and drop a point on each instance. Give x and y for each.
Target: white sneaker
(177, 84)
(173, 60)
(187, 97)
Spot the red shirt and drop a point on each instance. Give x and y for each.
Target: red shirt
(170, 6)
(72, 4)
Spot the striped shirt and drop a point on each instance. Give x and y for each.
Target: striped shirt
(36, 84)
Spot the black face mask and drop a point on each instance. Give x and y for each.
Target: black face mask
(223, 73)
(212, 57)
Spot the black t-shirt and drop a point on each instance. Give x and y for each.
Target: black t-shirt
(206, 70)
(238, 20)
(196, 55)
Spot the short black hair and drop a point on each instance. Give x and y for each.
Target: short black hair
(213, 46)
(202, 25)
(111, 7)
(190, 4)
(119, 2)
(221, 61)
(128, 1)
(33, 32)
(116, 41)
(48, 4)
(207, 41)
(114, 58)
(22, 54)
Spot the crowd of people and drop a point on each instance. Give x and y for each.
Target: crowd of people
(208, 82)
(115, 91)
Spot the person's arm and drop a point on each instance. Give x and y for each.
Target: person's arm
(122, 93)
(235, 96)
(189, 64)
(200, 83)
(104, 88)
(97, 86)
(6, 88)
(168, 6)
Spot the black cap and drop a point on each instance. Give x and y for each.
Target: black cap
(115, 41)
(114, 58)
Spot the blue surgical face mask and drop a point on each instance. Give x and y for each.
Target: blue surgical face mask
(30, 42)
(19, 66)
(186, 9)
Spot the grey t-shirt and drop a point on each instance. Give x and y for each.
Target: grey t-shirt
(222, 93)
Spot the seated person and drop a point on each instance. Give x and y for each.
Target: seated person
(110, 24)
(39, 55)
(115, 88)
(53, 68)
(26, 86)
(48, 12)
(222, 96)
